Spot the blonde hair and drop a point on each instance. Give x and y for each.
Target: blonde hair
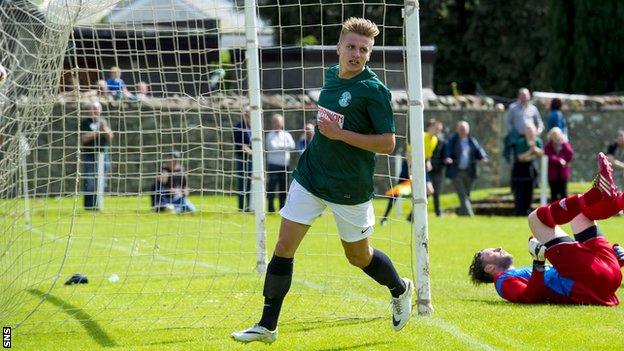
(359, 26)
(554, 131)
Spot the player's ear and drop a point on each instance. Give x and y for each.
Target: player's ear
(489, 268)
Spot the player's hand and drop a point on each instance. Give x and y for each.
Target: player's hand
(537, 250)
(619, 252)
(330, 129)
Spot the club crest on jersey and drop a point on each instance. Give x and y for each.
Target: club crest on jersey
(322, 112)
(345, 99)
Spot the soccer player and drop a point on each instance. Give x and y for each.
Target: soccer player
(585, 270)
(354, 121)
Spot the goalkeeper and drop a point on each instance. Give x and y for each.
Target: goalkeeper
(354, 121)
(585, 270)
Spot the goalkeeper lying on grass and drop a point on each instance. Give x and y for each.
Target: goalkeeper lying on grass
(585, 270)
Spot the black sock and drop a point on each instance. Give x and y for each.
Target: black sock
(589, 233)
(276, 285)
(559, 240)
(389, 206)
(382, 270)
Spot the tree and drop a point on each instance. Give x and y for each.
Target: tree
(507, 43)
(297, 19)
(444, 24)
(487, 46)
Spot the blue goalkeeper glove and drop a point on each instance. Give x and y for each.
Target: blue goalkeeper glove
(538, 252)
(619, 252)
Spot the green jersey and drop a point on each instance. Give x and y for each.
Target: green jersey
(336, 171)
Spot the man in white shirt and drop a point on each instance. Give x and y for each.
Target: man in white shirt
(279, 144)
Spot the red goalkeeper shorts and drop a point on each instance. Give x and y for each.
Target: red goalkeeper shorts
(593, 267)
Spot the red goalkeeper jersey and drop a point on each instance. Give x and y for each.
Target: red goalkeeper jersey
(582, 273)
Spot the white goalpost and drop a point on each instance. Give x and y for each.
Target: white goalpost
(420, 231)
(180, 228)
(257, 145)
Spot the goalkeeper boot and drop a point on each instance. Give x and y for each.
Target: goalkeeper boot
(255, 333)
(604, 180)
(402, 306)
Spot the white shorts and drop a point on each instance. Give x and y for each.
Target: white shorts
(354, 222)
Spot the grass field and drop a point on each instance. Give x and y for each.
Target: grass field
(186, 282)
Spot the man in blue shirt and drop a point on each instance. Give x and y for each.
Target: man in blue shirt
(306, 138)
(461, 154)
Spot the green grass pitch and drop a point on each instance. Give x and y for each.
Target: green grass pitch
(187, 282)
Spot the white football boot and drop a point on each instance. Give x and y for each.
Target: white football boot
(255, 333)
(402, 306)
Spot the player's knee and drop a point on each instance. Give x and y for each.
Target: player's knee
(357, 259)
(533, 217)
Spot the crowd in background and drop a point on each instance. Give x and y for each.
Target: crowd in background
(456, 157)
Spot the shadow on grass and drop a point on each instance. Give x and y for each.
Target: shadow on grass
(93, 328)
(325, 324)
(526, 305)
(488, 302)
(169, 342)
(363, 345)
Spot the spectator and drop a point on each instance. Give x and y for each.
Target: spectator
(95, 137)
(305, 138)
(171, 188)
(242, 155)
(555, 118)
(560, 154)
(431, 145)
(279, 143)
(436, 172)
(71, 85)
(430, 142)
(525, 151)
(404, 175)
(615, 153)
(523, 112)
(519, 114)
(116, 86)
(461, 154)
(102, 89)
(142, 93)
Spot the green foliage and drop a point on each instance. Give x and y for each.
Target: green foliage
(308, 40)
(598, 60)
(322, 19)
(491, 47)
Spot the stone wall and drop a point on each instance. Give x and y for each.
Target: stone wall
(143, 135)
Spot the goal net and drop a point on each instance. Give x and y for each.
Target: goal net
(122, 162)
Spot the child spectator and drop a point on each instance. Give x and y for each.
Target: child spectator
(116, 86)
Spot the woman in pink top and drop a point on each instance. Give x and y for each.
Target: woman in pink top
(560, 154)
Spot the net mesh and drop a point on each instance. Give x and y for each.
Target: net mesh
(183, 67)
